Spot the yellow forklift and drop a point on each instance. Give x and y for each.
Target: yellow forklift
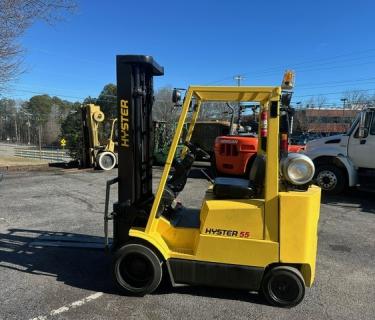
(256, 234)
(95, 154)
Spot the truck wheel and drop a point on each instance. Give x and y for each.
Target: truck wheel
(330, 178)
(283, 286)
(137, 269)
(106, 160)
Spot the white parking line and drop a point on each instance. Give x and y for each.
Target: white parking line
(73, 305)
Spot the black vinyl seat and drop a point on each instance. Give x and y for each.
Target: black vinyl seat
(236, 188)
(233, 188)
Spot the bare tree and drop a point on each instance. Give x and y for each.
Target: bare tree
(357, 99)
(164, 109)
(165, 112)
(216, 111)
(16, 16)
(51, 128)
(317, 102)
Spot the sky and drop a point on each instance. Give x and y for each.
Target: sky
(329, 44)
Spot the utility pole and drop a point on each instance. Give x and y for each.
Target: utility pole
(28, 131)
(15, 127)
(343, 110)
(239, 78)
(343, 105)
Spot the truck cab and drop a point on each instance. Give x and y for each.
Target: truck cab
(346, 160)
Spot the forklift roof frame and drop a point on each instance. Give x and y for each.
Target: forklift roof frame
(263, 95)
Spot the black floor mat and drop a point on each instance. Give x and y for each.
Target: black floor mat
(185, 218)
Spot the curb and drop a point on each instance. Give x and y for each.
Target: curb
(34, 167)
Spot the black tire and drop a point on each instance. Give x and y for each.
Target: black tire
(250, 162)
(330, 178)
(137, 269)
(213, 165)
(283, 286)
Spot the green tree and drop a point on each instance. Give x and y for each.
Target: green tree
(71, 131)
(40, 107)
(46, 115)
(107, 101)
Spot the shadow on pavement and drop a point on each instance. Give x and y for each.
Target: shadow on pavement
(85, 268)
(352, 198)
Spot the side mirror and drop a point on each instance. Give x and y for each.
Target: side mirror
(362, 132)
(176, 96)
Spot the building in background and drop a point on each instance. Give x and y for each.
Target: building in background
(325, 121)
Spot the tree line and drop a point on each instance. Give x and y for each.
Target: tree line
(44, 120)
(36, 121)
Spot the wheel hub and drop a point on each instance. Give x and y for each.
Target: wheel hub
(107, 161)
(326, 179)
(136, 270)
(284, 289)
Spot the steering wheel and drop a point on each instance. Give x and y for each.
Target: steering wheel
(197, 151)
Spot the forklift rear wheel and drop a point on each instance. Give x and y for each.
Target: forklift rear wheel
(137, 269)
(283, 286)
(106, 160)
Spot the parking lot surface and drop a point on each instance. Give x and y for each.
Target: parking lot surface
(42, 283)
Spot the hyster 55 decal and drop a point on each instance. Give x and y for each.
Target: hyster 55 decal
(227, 233)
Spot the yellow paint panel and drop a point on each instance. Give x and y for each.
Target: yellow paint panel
(257, 94)
(178, 239)
(272, 177)
(153, 238)
(299, 215)
(242, 218)
(248, 252)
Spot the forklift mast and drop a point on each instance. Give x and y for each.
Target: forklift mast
(91, 117)
(135, 97)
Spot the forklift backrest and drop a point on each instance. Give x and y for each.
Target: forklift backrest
(258, 172)
(237, 188)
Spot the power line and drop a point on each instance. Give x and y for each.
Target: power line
(332, 82)
(331, 93)
(275, 69)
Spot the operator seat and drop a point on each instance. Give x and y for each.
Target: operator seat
(236, 188)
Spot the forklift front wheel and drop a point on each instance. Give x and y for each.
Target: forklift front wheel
(283, 286)
(106, 160)
(137, 269)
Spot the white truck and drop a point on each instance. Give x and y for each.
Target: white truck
(346, 160)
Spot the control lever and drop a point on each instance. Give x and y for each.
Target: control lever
(107, 216)
(207, 176)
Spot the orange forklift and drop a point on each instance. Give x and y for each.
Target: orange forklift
(235, 153)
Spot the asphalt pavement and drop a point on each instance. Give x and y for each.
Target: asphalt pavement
(42, 283)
